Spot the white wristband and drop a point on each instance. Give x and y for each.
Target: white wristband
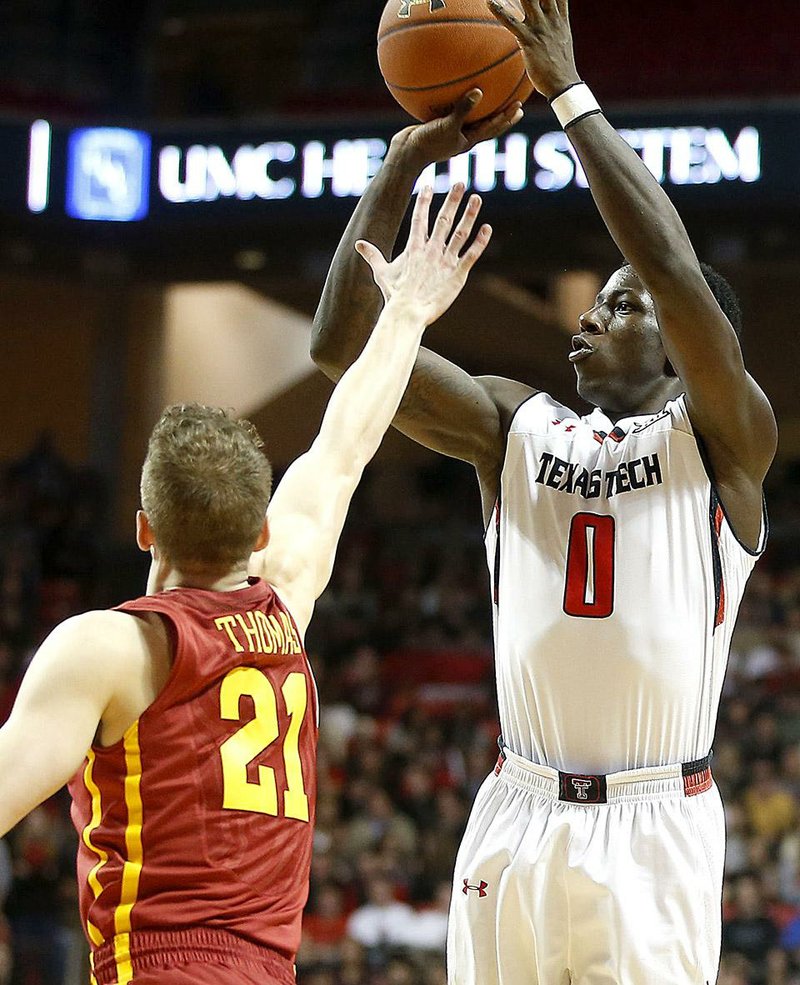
(574, 104)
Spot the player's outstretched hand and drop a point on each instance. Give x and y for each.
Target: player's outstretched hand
(434, 266)
(447, 136)
(545, 37)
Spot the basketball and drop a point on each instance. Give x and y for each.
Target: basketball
(431, 52)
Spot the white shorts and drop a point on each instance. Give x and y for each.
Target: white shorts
(626, 892)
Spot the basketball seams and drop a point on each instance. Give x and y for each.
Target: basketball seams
(439, 22)
(429, 63)
(462, 78)
(515, 91)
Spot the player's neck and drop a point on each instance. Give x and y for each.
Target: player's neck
(651, 401)
(164, 578)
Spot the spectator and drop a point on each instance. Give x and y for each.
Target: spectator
(750, 932)
(381, 922)
(428, 931)
(790, 770)
(379, 820)
(790, 937)
(778, 969)
(771, 809)
(734, 970)
(736, 842)
(400, 972)
(763, 741)
(41, 944)
(353, 966)
(324, 928)
(789, 868)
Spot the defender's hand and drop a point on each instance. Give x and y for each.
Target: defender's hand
(431, 271)
(545, 39)
(443, 138)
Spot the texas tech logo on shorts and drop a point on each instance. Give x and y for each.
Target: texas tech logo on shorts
(406, 5)
(581, 786)
(575, 788)
(480, 889)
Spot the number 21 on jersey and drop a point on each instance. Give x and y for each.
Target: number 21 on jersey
(591, 558)
(253, 738)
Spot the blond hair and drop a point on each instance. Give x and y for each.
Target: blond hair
(205, 486)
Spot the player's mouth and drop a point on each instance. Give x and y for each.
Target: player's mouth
(581, 349)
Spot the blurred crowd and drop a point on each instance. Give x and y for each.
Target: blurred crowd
(194, 58)
(51, 515)
(401, 646)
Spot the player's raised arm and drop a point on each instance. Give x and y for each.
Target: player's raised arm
(309, 507)
(727, 407)
(443, 408)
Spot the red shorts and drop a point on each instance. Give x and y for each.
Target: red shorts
(204, 973)
(194, 956)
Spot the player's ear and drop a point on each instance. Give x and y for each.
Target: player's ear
(144, 533)
(263, 536)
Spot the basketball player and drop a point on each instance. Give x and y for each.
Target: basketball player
(195, 803)
(619, 545)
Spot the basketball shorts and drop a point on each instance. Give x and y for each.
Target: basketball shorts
(191, 956)
(203, 973)
(569, 880)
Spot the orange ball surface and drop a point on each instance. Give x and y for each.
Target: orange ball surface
(431, 52)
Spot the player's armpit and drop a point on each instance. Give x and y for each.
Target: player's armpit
(736, 422)
(66, 689)
(449, 411)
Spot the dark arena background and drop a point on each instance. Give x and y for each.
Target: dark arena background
(174, 176)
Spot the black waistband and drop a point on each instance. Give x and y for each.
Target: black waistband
(591, 788)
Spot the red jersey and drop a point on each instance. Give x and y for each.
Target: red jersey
(197, 825)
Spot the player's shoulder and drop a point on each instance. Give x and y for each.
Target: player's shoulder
(541, 413)
(507, 395)
(674, 416)
(106, 631)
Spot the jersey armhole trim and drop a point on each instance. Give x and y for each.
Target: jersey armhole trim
(306, 657)
(763, 535)
(517, 409)
(288, 612)
(172, 633)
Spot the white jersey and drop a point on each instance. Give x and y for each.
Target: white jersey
(617, 579)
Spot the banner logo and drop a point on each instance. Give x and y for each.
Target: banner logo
(108, 174)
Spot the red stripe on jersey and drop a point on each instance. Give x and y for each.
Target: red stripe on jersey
(717, 516)
(497, 552)
(720, 617)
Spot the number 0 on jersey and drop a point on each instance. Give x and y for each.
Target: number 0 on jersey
(589, 589)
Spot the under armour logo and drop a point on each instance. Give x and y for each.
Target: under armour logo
(480, 889)
(580, 787)
(406, 5)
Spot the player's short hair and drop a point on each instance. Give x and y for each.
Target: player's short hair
(720, 287)
(205, 486)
